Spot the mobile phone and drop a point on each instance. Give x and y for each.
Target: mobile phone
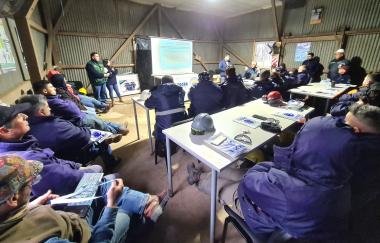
(263, 118)
(218, 140)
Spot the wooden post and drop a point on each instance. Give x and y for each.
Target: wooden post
(135, 31)
(236, 55)
(275, 21)
(50, 30)
(28, 48)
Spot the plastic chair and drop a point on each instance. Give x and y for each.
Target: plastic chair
(241, 226)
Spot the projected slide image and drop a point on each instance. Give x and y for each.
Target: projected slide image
(171, 56)
(174, 54)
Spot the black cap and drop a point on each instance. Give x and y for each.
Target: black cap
(7, 113)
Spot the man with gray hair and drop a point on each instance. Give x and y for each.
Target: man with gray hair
(68, 141)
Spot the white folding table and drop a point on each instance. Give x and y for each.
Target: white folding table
(321, 90)
(223, 122)
(139, 102)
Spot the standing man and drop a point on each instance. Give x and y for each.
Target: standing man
(97, 77)
(253, 72)
(313, 67)
(334, 64)
(223, 65)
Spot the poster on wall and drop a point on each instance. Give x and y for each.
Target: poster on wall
(7, 61)
(264, 52)
(301, 51)
(128, 84)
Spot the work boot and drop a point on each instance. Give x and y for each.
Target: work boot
(123, 131)
(121, 100)
(112, 103)
(194, 174)
(114, 138)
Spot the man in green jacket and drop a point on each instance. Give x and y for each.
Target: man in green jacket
(97, 76)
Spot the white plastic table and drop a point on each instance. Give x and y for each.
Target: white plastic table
(223, 122)
(139, 102)
(321, 90)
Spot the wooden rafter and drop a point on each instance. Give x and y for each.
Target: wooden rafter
(51, 37)
(31, 9)
(81, 66)
(37, 26)
(135, 31)
(197, 57)
(59, 20)
(232, 52)
(275, 20)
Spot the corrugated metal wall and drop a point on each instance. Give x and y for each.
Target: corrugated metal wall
(121, 17)
(324, 49)
(355, 14)
(368, 48)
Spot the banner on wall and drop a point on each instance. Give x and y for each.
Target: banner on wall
(128, 84)
(7, 61)
(301, 51)
(264, 52)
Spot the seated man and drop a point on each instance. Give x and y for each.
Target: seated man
(368, 93)
(68, 141)
(24, 221)
(306, 192)
(262, 87)
(168, 101)
(234, 91)
(205, 97)
(253, 72)
(61, 176)
(67, 92)
(87, 101)
(291, 80)
(343, 77)
(303, 77)
(67, 110)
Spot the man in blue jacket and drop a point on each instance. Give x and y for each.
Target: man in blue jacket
(223, 65)
(313, 67)
(68, 110)
(305, 191)
(68, 141)
(334, 64)
(168, 101)
(253, 72)
(368, 93)
(61, 176)
(205, 96)
(262, 87)
(234, 91)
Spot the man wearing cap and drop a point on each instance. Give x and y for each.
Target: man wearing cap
(205, 96)
(368, 93)
(24, 221)
(334, 64)
(343, 76)
(61, 176)
(68, 141)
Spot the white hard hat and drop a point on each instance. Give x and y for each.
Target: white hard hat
(340, 51)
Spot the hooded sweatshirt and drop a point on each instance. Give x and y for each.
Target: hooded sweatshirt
(306, 190)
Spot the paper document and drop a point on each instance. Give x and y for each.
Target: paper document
(248, 121)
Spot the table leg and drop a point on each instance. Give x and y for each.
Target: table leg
(327, 106)
(136, 121)
(169, 167)
(149, 130)
(214, 177)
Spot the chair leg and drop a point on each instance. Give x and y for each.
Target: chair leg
(155, 152)
(225, 227)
